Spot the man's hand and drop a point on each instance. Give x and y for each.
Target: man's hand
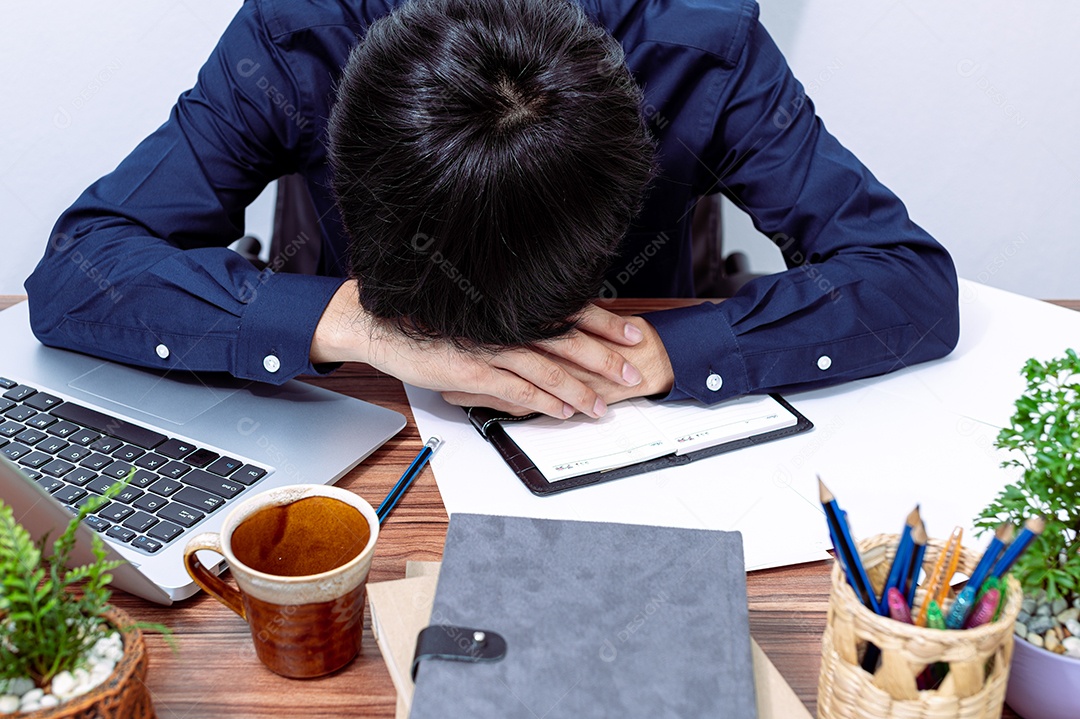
(629, 338)
(517, 380)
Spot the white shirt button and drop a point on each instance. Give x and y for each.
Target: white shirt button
(824, 362)
(271, 363)
(714, 382)
(162, 351)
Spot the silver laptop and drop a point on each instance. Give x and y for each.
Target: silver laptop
(70, 425)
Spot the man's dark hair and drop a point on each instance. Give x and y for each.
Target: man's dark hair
(488, 157)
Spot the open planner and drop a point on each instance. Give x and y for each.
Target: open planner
(635, 436)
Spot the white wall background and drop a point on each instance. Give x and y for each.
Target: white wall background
(968, 110)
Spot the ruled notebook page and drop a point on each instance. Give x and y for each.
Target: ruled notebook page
(639, 430)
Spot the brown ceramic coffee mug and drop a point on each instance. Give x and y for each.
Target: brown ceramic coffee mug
(300, 556)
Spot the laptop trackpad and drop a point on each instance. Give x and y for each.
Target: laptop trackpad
(179, 398)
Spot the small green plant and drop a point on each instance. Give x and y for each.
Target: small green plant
(1044, 441)
(50, 615)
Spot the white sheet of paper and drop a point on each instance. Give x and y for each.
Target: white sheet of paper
(882, 445)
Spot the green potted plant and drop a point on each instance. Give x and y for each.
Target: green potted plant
(1043, 440)
(64, 651)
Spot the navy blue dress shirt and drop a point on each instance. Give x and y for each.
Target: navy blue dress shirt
(137, 270)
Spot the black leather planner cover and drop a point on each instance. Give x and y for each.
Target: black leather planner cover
(489, 423)
(599, 620)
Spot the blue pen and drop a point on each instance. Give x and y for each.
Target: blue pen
(965, 600)
(1032, 529)
(898, 570)
(846, 551)
(407, 478)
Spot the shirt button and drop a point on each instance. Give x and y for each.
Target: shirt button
(824, 362)
(714, 382)
(271, 363)
(162, 351)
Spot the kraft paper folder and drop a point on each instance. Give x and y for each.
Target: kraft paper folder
(401, 608)
(639, 435)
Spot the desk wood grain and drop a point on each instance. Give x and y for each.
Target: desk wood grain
(214, 673)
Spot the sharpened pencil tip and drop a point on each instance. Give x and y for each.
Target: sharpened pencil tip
(1005, 532)
(823, 491)
(913, 517)
(918, 535)
(1036, 524)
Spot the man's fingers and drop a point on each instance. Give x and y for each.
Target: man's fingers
(609, 325)
(585, 351)
(466, 399)
(531, 380)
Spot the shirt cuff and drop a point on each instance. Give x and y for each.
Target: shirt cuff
(704, 353)
(278, 324)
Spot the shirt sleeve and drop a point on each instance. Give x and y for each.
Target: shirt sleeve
(138, 271)
(867, 291)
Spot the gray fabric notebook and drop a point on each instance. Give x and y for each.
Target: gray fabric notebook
(599, 619)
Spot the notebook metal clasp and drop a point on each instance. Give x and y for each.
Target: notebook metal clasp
(459, 644)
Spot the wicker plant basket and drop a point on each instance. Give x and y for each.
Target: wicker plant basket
(123, 695)
(978, 659)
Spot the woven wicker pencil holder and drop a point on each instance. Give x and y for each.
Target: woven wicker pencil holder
(978, 659)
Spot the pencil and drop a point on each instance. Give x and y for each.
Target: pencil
(918, 537)
(846, 552)
(965, 600)
(937, 587)
(898, 572)
(411, 473)
(1032, 529)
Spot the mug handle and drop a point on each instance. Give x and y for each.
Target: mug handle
(214, 585)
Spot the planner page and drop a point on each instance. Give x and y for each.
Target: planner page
(639, 430)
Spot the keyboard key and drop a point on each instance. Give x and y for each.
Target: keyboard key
(63, 429)
(129, 494)
(69, 494)
(10, 428)
(147, 545)
(3, 441)
(5, 405)
(97, 500)
(106, 445)
(248, 474)
(6, 383)
(175, 448)
(198, 499)
(118, 532)
(80, 476)
(96, 462)
(174, 470)
(74, 453)
(20, 413)
(151, 461)
(128, 453)
(14, 450)
(165, 487)
(19, 392)
(49, 484)
(41, 421)
(165, 531)
(31, 474)
(224, 466)
(57, 468)
(140, 521)
(143, 479)
(34, 459)
(52, 445)
(149, 502)
(115, 511)
(43, 401)
(30, 436)
(184, 516)
(119, 470)
(133, 433)
(211, 483)
(101, 484)
(84, 437)
(201, 457)
(96, 523)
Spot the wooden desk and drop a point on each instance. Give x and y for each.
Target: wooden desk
(215, 672)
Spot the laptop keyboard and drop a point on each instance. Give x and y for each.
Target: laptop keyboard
(76, 453)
